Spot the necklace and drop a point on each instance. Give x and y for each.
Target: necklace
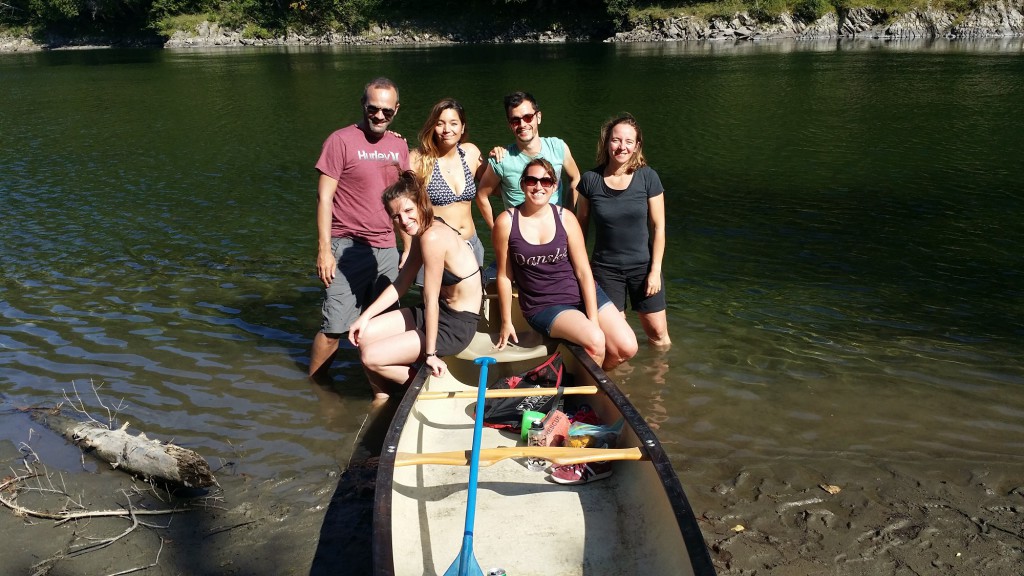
(446, 163)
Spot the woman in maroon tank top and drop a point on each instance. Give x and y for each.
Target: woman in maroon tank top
(542, 248)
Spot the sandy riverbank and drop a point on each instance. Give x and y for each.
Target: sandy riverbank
(896, 518)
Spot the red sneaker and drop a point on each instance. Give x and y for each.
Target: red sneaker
(581, 473)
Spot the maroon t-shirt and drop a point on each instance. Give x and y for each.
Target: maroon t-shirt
(363, 170)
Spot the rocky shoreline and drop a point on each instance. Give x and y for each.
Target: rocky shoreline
(994, 20)
(999, 19)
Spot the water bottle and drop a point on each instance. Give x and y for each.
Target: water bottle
(536, 438)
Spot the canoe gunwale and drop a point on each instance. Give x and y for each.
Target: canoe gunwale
(383, 547)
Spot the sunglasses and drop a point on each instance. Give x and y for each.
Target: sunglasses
(546, 181)
(388, 113)
(527, 118)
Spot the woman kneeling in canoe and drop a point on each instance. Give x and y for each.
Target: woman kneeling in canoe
(445, 322)
(541, 246)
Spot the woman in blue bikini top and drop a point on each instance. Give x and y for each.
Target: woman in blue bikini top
(448, 167)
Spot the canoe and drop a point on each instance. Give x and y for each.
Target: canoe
(636, 521)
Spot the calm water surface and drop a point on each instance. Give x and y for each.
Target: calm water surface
(844, 263)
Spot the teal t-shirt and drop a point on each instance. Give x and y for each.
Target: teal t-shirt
(510, 169)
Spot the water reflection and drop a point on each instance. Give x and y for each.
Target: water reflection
(987, 46)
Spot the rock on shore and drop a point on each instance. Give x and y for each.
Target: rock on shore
(17, 44)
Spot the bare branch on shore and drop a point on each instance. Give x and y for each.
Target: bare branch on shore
(148, 458)
(160, 465)
(65, 516)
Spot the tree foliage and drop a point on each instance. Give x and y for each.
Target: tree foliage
(811, 10)
(134, 16)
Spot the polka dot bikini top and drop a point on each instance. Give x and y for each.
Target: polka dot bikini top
(441, 194)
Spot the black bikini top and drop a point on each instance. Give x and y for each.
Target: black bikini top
(447, 277)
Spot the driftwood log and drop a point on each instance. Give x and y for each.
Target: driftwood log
(150, 459)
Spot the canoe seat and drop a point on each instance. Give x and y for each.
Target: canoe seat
(531, 345)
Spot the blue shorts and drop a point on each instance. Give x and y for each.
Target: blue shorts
(542, 321)
(633, 282)
(363, 273)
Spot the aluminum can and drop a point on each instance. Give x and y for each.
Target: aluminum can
(496, 572)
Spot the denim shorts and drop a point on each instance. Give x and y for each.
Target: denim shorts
(542, 321)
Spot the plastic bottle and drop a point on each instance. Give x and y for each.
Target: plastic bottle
(536, 438)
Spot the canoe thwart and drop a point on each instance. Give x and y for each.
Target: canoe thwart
(508, 393)
(558, 455)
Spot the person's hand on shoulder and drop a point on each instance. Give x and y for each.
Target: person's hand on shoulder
(498, 153)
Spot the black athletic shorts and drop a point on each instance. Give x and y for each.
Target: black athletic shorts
(455, 328)
(633, 281)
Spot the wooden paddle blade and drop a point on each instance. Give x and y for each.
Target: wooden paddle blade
(558, 455)
(508, 393)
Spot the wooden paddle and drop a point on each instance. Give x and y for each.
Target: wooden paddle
(510, 393)
(559, 455)
(465, 563)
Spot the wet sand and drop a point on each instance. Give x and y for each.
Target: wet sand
(939, 517)
(895, 518)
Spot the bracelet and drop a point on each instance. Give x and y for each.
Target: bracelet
(429, 354)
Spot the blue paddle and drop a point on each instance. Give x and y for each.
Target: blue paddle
(465, 563)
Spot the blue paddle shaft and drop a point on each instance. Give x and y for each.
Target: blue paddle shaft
(478, 426)
(466, 564)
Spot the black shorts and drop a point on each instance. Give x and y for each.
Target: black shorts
(617, 283)
(455, 328)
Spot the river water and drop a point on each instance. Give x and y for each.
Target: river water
(844, 262)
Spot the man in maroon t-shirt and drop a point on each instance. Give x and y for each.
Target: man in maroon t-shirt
(356, 253)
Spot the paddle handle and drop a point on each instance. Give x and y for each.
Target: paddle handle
(559, 455)
(510, 393)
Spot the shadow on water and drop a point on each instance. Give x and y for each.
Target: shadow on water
(345, 543)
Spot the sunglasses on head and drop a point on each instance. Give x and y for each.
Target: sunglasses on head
(527, 118)
(388, 113)
(546, 181)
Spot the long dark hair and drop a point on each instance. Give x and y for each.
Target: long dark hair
(408, 186)
(428, 143)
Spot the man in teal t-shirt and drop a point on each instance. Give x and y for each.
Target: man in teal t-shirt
(506, 167)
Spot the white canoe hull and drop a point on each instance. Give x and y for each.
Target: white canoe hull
(635, 522)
